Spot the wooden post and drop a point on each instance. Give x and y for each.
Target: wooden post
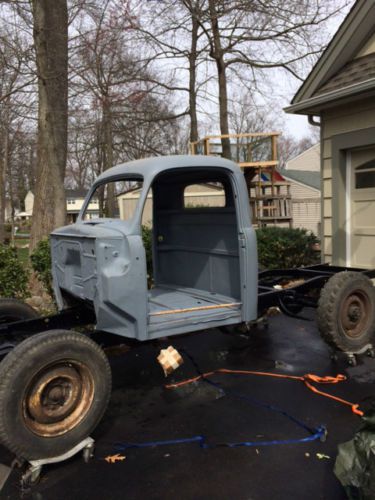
(274, 147)
(207, 146)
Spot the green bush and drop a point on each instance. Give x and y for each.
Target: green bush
(14, 277)
(280, 247)
(41, 263)
(147, 242)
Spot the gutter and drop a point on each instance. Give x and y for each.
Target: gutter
(333, 95)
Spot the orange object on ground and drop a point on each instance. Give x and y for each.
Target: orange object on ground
(111, 459)
(306, 379)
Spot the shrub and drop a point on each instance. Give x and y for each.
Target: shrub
(280, 247)
(41, 263)
(14, 277)
(147, 242)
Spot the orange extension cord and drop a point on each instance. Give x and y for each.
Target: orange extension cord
(306, 379)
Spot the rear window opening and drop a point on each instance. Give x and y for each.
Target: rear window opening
(204, 195)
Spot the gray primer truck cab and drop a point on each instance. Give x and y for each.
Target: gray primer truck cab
(204, 258)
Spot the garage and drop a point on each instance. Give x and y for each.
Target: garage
(361, 208)
(339, 97)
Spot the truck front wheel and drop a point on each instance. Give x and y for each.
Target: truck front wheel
(54, 389)
(346, 311)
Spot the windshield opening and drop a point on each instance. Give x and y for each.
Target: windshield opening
(114, 200)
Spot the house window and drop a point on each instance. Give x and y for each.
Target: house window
(365, 175)
(71, 202)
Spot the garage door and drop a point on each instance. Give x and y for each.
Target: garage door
(362, 216)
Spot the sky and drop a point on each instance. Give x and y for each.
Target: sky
(297, 125)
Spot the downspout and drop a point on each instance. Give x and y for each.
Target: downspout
(316, 123)
(312, 122)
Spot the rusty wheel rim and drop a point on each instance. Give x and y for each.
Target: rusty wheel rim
(354, 313)
(58, 398)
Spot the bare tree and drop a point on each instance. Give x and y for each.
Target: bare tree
(51, 48)
(173, 33)
(118, 109)
(15, 78)
(252, 38)
(241, 43)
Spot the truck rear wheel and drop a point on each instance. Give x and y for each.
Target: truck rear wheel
(346, 311)
(15, 310)
(54, 389)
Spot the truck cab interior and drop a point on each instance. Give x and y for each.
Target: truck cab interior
(195, 249)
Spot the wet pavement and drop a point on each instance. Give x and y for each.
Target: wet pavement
(143, 410)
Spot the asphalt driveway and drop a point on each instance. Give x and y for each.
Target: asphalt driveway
(143, 410)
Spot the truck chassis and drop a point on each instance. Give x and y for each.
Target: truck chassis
(289, 289)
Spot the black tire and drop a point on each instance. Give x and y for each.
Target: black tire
(15, 310)
(346, 311)
(54, 389)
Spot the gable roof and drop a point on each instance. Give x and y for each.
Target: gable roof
(356, 29)
(307, 177)
(76, 193)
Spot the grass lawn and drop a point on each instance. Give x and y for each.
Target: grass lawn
(19, 242)
(22, 249)
(23, 255)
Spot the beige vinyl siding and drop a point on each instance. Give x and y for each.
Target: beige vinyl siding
(305, 207)
(326, 197)
(349, 117)
(308, 160)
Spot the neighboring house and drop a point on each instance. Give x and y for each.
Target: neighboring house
(303, 173)
(195, 196)
(74, 202)
(341, 91)
(28, 212)
(307, 160)
(305, 192)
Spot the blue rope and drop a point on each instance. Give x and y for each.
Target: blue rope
(319, 433)
(316, 433)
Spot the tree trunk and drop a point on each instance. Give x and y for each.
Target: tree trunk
(9, 176)
(108, 155)
(193, 78)
(3, 168)
(217, 54)
(51, 47)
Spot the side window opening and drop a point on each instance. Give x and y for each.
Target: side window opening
(116, 199)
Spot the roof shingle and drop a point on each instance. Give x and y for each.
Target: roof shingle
(355, 71)
(307, 177)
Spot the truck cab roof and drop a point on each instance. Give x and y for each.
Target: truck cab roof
(148, 168)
